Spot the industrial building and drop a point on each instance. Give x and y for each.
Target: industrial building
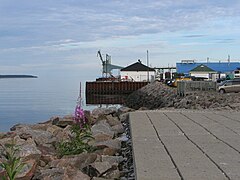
(221, 68)
(137, 72)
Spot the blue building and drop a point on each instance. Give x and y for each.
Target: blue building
(221, 67)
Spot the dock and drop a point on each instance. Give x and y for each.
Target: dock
(110, 92)
(186, 145)
(113, 87)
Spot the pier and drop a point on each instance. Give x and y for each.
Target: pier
(186, 145)
(110, 92)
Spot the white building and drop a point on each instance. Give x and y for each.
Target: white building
(204, 72)
(137, 72)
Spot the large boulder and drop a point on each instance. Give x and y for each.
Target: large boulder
(104, 111)
(28, 170)
(78, 161)
(112, 143)
(102, 127)
(112, 121)
(50, 174)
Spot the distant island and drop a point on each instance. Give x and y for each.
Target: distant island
(17, 76)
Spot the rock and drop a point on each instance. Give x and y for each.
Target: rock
(46, 158)
(25, 136)
(42, 163)
(40, 126)
(98, 178)
(123, 110)
(79, 161)
(123, 138)
(71, 173)
(19, 126)
(113, 174)
(55, 120)
(91, 171)
(106, 151)
(100, 118)
(109, 151)
(112, 160)
(157, 95)
(88, 116)
(47, 149)
(29, 151)
(118, 129)
(102, 128)
(50, 174)
(113, 143)
(63, 134)
(112, 121)
(103, 111)
(101, 137)
(143, 109)
(64, 122)
(124, 117)
(39, 136)
(101, 167)
(54, 130)
(28, 170)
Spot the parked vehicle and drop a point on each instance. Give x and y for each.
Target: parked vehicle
(229, 86)
(237, 74)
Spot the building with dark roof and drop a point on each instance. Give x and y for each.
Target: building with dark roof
(137, 72)
(202, 71)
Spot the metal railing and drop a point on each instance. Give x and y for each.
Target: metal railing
(184, 87)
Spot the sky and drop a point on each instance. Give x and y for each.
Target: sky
(45, 37)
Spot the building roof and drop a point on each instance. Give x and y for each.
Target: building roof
(138, 66)
(202, 68)
(221, 67)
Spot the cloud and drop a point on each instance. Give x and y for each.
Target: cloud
(93, 20)
(59, 31)
(226, 41)
(194, 36)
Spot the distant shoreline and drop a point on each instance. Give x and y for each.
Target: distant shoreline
(17, 76)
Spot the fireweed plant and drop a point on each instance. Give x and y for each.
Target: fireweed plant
(81, 134)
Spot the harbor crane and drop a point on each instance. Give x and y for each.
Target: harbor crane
(107, 67)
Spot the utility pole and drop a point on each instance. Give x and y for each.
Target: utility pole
(148, 67)
(106, 66)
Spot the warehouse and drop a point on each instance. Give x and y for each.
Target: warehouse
(185, 66)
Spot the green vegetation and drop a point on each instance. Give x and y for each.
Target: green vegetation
(12, 164)
(81, 136)
(78, 144)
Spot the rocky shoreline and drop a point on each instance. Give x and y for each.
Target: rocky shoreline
(112, 157)
(37, 148)
(157, 95)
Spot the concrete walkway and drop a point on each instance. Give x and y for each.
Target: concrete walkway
(190, 145)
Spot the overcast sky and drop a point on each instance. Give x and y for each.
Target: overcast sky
(39, 36)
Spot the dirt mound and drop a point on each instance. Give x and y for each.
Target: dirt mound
(157, 95)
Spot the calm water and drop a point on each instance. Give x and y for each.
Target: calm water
(36, 100)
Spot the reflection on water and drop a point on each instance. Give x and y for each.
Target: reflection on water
(96, 99)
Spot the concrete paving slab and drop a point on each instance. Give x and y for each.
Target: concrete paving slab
(185, 145)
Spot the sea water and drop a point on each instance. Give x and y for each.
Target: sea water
(33, 100)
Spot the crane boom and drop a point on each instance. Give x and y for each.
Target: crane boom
(100, 55)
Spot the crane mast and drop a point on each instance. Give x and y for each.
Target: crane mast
(107, 67)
